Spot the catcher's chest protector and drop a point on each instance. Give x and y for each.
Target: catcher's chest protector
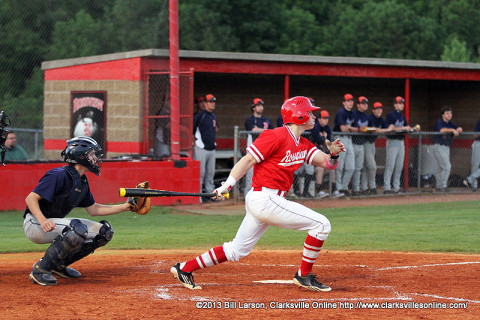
(65, 202)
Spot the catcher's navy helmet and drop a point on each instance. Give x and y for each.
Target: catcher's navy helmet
(84, 151)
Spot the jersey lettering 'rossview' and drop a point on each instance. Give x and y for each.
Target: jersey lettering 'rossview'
(278, 154)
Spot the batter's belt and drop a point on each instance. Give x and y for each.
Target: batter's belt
(271, 191)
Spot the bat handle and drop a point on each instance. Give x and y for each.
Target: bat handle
(122, 192)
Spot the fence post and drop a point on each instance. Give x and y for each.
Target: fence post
(235, 159)
(419, 165)
(36, 146)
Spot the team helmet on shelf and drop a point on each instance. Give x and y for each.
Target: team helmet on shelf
(84, 151)
(296, 110)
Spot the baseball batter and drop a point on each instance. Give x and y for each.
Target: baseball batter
(275, 155)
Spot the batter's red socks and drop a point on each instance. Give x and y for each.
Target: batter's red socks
(311, 250)
(210, 258)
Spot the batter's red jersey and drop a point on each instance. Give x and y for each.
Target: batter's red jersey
(279, 154)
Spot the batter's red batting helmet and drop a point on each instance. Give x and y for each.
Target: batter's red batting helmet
(295, 110)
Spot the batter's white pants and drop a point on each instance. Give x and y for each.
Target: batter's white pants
(370, 169)
(346, 167)
(265, 208)
(207, 167)
(35, 233)
(394, 164)
(442, 154)
(475, 169)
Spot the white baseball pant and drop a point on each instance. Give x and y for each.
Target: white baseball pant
(266, 208)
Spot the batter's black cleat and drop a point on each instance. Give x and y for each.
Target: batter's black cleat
(310, 282)
(42, 277)
(67, 272)
(185, 278)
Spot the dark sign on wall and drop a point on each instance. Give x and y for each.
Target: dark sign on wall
(88, 115)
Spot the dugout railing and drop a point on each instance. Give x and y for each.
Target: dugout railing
(419, 171)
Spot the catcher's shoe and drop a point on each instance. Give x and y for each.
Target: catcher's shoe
(42, 277)
(185, 278)
(310, 282)
(67, 272)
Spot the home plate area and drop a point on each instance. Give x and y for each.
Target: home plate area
(359, 280)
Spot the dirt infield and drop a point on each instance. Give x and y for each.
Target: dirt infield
(138, 285)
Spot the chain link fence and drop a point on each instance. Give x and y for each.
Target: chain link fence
(425, 167)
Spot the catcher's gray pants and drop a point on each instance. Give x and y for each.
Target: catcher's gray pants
(370, 168)
(359, 151)
(345, 169)
(207, 167)
(35, 233)
(442, 154)
(394, 164)
(475, 169)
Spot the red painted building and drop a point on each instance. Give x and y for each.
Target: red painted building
(136, 85)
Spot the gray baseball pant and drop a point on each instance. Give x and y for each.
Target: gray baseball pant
(442, 154)
(359, 151)
(394, 164)
(35, 233)
(207, 167)
(475, 169)
(345, 169)
(370, 169)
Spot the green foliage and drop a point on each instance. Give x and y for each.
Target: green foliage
(456, 50)
(38, 30)
(419, 227)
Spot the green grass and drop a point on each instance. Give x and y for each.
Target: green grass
(437, 227)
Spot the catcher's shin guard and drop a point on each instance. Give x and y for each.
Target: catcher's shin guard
(71, 238)
(88, 247)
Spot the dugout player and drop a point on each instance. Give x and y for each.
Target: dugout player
(472, 180)
(345, 123)
(57, 193)
(256, 122)
(375, 120)
(358, 141)
(395, 153)
(441, 146)
(205, 127)
(275, 155)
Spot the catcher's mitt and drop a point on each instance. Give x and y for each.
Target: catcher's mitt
(140, 205)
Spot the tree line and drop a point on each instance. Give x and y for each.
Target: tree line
(40, 30)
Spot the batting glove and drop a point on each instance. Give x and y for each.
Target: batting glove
(335, 147)
(224, 188)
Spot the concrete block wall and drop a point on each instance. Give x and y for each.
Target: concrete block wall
(124, 111)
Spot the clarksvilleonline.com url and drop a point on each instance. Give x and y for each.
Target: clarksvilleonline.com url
(404, 305)
(327, 305)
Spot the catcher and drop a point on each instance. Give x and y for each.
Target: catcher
(57, 193)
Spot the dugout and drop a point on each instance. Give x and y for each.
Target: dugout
(121, 98)
(125, 93)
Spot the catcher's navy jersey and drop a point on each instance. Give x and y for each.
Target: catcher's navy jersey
(56, 182)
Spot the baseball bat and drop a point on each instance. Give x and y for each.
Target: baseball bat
(139, 192)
